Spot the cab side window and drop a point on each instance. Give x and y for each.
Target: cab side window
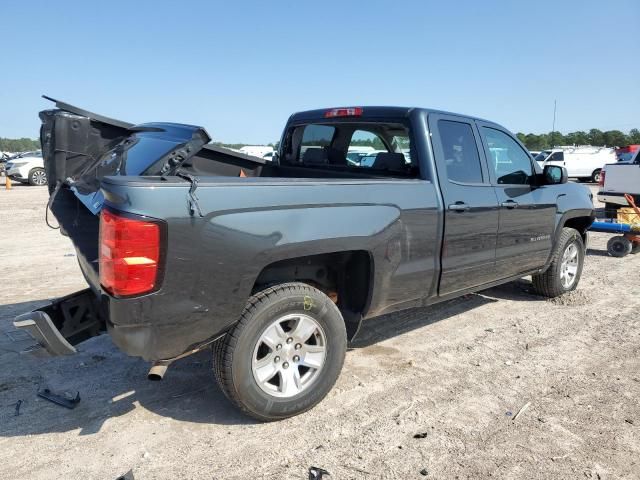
(557, 156)
(511, 164)
(460, 152)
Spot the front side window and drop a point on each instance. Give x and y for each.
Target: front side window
(509, 161)
(460, 152)
(557, 156)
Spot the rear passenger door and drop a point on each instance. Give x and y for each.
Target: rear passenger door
(527, 211)
(471, 206)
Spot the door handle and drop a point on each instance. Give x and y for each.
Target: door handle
(459, 207)
(509, 204)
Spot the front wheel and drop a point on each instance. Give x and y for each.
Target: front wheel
(563, 274)
(285, 353)
(38, 177)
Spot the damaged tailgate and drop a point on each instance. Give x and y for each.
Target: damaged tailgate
(80, 149)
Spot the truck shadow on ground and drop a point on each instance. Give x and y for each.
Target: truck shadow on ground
(597, 253)
(384, 327)
(112, 384)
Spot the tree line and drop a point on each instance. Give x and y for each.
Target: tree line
(595, 137)
(610, 138)
(18, 144)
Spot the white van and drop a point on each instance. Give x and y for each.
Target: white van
(584, 163)
(256, 150)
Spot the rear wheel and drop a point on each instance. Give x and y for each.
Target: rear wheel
(37, 176)
(595, 176)
(284, 355)
(619, 246)
(563, 274)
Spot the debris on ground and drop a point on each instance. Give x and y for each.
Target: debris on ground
(59, 399)
(424, 472)
(522, 410)
(317, 473)
(126, 476)
(420, 435)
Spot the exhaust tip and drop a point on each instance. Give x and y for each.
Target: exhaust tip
(157, 371)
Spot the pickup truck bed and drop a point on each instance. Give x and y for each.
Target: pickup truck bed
(184, 244)
(617, 180)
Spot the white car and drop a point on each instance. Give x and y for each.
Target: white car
(256, 150)
(27, 168)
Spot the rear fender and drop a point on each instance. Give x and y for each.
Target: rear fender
(270, 236)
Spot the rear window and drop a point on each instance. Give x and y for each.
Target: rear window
(378, 148)
(315, 138)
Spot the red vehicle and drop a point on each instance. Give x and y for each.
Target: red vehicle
(625, 154)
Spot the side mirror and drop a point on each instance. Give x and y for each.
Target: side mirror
(554, 175)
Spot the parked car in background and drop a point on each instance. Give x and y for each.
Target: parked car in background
(268, 156)
(256, 150)
(542, 156)
(617, 179)
(534, 153)
(581, 162)
(27, 168)
(354, 158)
(360, 149)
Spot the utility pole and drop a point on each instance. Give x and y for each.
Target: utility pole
(553, 128)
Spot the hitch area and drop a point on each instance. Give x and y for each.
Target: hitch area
(62, 324)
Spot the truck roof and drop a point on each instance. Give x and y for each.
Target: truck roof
(373, 112)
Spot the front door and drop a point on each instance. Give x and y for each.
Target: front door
(527, 211)
(471, 206)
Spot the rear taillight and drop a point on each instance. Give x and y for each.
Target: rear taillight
(343, 112)
(601, 181)
(129, 254)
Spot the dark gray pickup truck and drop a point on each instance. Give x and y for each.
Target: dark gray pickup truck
(275, 264)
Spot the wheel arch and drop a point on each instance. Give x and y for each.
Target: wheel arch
(345, 277)
(579, 219)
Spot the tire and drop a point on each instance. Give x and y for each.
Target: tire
(595, 176)
(554, 281)
(243, 356)
(619, 246)
(635, 249)
(37, 177)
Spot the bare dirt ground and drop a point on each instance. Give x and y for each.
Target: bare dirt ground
(457, 373)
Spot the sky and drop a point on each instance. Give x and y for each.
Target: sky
(240, 68)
